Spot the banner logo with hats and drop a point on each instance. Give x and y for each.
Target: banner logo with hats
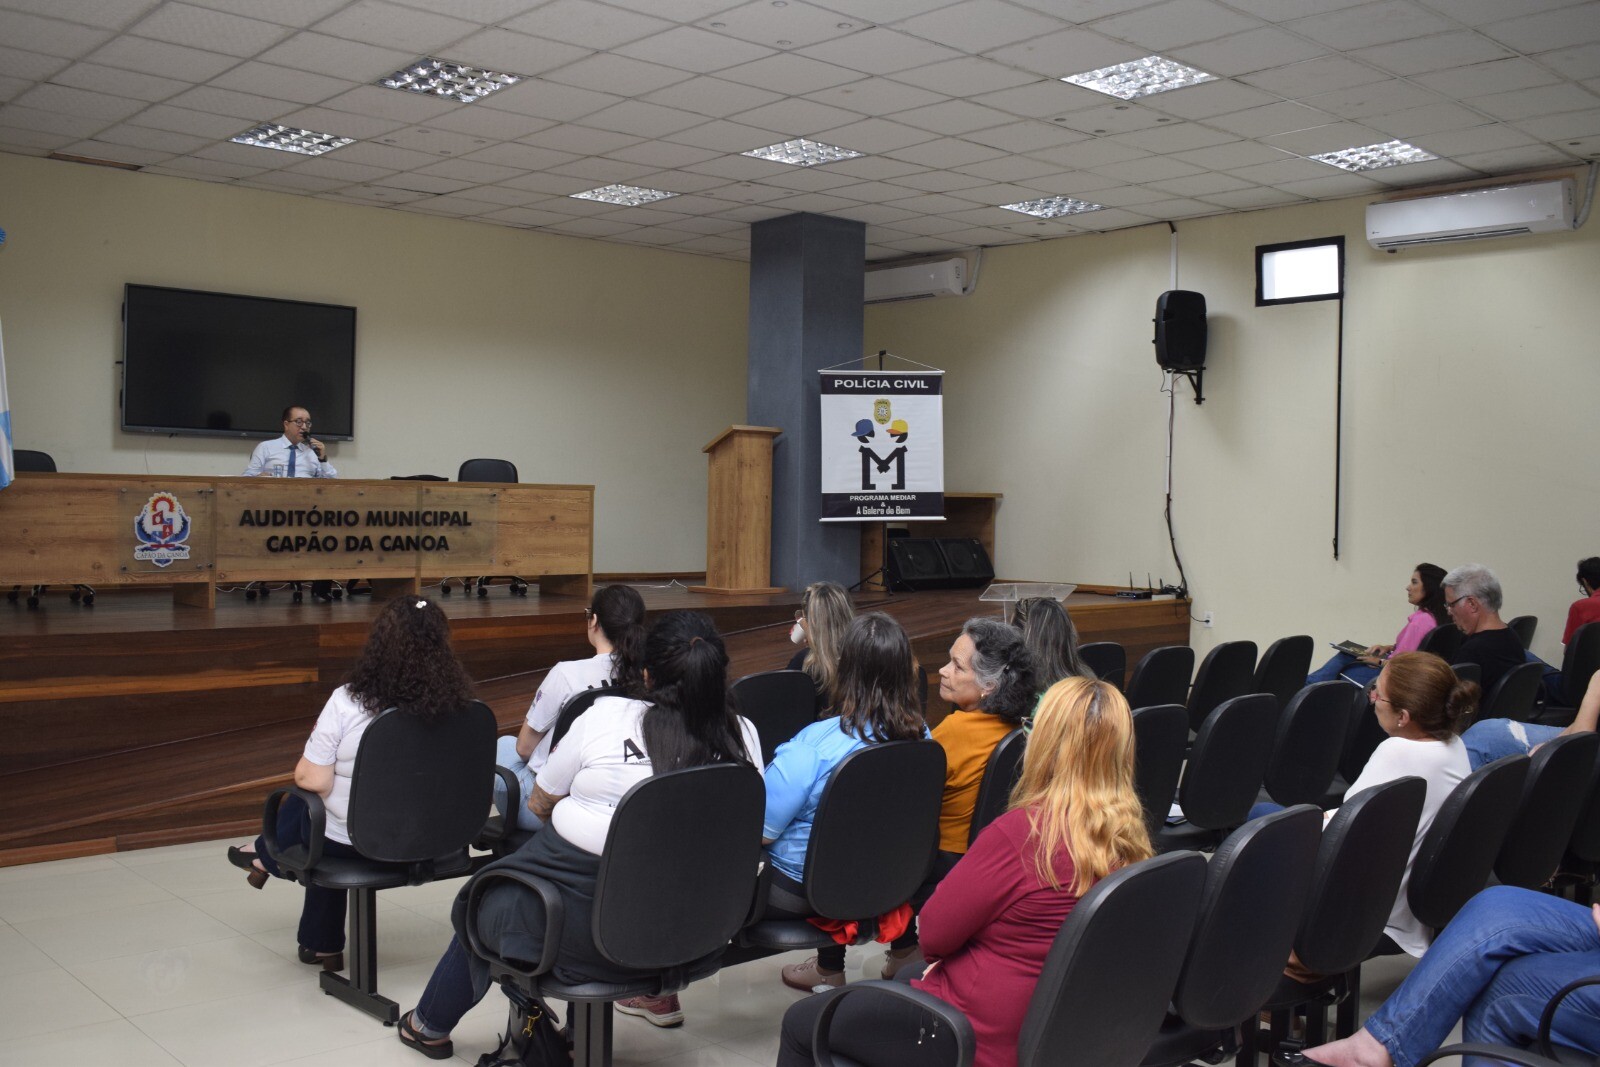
(882, 446)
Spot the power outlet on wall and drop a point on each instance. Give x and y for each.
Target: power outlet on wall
(1208, 618)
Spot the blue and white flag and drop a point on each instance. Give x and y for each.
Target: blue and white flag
(8, 463)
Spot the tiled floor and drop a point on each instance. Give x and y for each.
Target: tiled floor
(166, 957)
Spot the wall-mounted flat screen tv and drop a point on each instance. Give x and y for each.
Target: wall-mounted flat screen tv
(223, 365)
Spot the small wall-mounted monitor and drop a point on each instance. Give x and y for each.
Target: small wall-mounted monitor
(223, 365)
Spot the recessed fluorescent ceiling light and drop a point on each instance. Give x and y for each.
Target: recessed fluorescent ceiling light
(1140, 77)
(1373, 156)
(802, 153)
(289, 139)
(626, 195)
(438, 77)
(1053, 207)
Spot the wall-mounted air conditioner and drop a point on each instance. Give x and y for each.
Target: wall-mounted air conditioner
(1492, 211)
(947, 277)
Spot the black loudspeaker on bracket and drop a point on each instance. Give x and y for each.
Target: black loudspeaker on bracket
(1196, 378)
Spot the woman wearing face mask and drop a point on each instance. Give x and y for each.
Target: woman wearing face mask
(825, 611)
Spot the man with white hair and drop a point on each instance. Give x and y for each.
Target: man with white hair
(1473, 597)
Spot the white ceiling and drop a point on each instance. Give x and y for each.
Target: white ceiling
(957, 105)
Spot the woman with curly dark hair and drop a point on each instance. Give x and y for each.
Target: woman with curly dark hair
(407, 664)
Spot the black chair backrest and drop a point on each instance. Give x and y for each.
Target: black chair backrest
(1578, 665)
(1443, 641)
(487, 470)
(1250, 910)
(1284, 666)
(1458, 851)
(1227, 671)
(1360, 864)
(23, 459)
(1311, 733)
(1161, 677)
(1468, 672)
(1108, 660)
(778, 703)
(1513, 695)
(999, 778)
(1229, 762)
(1160, 742)
(1364, 737)
(418, 478)
(1552, 798)
(421, 788)
(679, 866)
(1111, 970)
(1524, 627)
(576, 705)
(876, 829)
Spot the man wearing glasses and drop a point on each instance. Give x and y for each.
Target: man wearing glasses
(296, 454)
(1472, 596)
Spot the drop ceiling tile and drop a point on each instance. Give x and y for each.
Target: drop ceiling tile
(511, 53)
(125, 83)
(521, 157)
(245, 106)
(1370, 24)
(1085, 155)
(102, 107)
(432, 142)
(587, 141)
(330, 167)
(1042, 99)
(1588, 147)
(524, 216)
(705, 226)
(212, 169)
(676, 10)
(938, 181)
(373, 100)
(1498, 77)
(1230, 156)
(494, 194)
(876, 168)
(1532, 103)
(1175, 24)
(992, 216)
(1577, 63)
(1029, 136)
(51, 37)
(1431, 118)
(1067, 51)
(979, 25)
(874, 192)
(664, 155)
(1148, 169)
(590, 228)
(713, 244)
(875, 96)
(879, 51)
(1180, 208)
(550, 184)
(586, 24)
(1285, 170)
(1329, 138)
(734, 168)
(1010, 169)
(945, 152)
(375, 194)
(394, 26)
(1212, 98)
(547, 100)
(747, 193)
(712, 97)
(296, 13)
(1271, 119)
(1478, 12)
(1502, 161)
(1573, 124)
(815, 202)
(693, 49)
(336, 57)
(639, 119)
(1246, 199)
(425, 183)
(472, 170)
(1246, 52)
(1311, 76)
(602, 171)
(725, 136)
(105, 14)
(182, 120)
(252, 156)
(984, 235)
(1112, 118)
(801, 118)
(1423, 55)
(652, 235)
(928, 245)
(264, 79)
(343, 123)
(292, 181)
(932, 204)
(1111, 218)
(791, 74)
(488, 122)
(445, 207)
(814, 180)
(875, 214)
(1429, 173)
(927, 225)
(161, 59)
(31, 66)
(967, 76)
(161, 140)
(952, 117)
(1550, 29)
(794, 24)
(31, 142)
(704, 204)
(1457, 143)
(1334, 186)
(119, 153)
(1200, 185)
(213, 31)
(1181, 137)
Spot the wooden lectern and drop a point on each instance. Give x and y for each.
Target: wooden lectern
(739, 512)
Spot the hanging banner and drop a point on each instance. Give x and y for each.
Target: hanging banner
(882, 446)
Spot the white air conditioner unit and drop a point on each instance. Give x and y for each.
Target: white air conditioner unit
(947, 277)
(1493, 211)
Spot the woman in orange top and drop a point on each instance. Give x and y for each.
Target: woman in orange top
(989, 681)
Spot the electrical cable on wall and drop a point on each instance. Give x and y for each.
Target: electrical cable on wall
(1170, 388)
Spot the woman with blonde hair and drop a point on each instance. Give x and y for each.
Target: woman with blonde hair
(1074, 818)
(819, 625)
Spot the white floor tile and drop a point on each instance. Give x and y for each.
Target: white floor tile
(189, 875)
(192, 974)
(118, 1042)
(127, 931)
(48, 1001)
(404, 937)
(216, 850)
(251, 1030)
(75, 891)
(56, 868)
(18, 955)
(275, 906)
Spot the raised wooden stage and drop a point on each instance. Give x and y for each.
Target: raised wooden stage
(136, 723)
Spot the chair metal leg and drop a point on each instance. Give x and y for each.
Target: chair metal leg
(360, 990)
(1350, 1007)
(591, 1037)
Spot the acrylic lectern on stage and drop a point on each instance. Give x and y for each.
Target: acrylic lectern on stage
(739, 512)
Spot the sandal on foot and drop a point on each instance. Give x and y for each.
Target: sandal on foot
(411, 1037)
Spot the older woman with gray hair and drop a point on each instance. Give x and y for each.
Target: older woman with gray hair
(990, 684)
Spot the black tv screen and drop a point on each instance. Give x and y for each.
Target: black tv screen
(224, 365)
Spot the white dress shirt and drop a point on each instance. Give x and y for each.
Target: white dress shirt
(271, 458)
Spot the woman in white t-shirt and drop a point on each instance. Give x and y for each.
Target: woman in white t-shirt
(614, 626)
(407, 664)
(681, 718)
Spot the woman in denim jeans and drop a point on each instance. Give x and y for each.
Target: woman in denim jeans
(1490, 739)
(1494, 967)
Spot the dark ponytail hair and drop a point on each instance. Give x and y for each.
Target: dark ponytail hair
(877, 688)
(1003, 667)
(691, 721)
(1432, 576)
(1424, 685)
(619, 611)
(407, 663)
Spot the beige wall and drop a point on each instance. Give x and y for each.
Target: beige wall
(1470, 375)
(580, 361)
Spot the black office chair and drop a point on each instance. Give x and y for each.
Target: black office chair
(1362, 736)
(27, 461)
(495, 471)
(1305, 755)
(1227, 671)
(1284, 666)
(418, 793)
(1106, 981)
(1578, 665)
(1443, 641)
(1524, 626)
(1107, 659)
(1360, 864)
(1161, 677)
(1226, 768)
(1000, 776)
(1581, 865)
(1468, 672)
(675, 882)
(1160, 742)
(418, 478)
(1250, 910)
(1553, 795)
(779, 704)
(1513, 696)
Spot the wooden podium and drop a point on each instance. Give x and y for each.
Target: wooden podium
(739, 512)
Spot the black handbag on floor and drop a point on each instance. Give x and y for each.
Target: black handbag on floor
(531, 1039)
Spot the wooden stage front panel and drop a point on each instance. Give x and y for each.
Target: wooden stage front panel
(138, 722)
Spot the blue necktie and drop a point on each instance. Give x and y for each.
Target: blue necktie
(293, 448)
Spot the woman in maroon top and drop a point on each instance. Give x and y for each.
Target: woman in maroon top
(1074, 818)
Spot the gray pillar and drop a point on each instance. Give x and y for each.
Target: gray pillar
(806, 274)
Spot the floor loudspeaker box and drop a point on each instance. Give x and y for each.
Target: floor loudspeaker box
(916, 563)
(966, 561)
(1181, 330)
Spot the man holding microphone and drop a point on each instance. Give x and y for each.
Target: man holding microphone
(296, 454)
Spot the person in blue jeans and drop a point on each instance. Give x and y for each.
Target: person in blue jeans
(1425, 594)
(1491, 739)
(1494, 967)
